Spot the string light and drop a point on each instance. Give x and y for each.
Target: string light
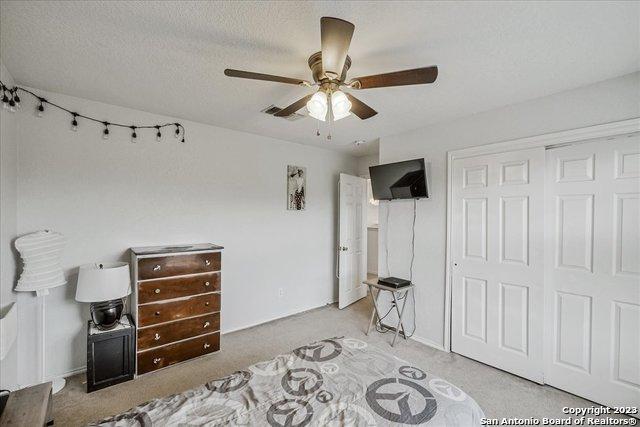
(40, 110)
(11, 101)
(105, 132)
(5, 99)
(16, 98)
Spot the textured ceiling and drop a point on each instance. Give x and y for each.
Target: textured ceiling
(168, 57)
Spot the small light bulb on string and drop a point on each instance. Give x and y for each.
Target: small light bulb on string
(16, 98)
(134, 135)
(5, 99)
(158, 134)
(12, 105)
(105, 132)
(177, 132)
(74, 122)
(40, 109)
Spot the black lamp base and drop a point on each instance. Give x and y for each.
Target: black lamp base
(106, 314)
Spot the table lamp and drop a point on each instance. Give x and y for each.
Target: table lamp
(104, 285)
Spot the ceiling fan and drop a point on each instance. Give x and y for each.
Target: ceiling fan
(329, 69)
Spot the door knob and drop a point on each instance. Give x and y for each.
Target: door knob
(207, 284)
(157, 291)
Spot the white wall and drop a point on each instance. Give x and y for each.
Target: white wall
(604, 102)
(364, 162)
(363, 171)
(222, 186)
(8, 227)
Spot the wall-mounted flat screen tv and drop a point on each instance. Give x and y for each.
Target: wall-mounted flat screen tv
(402, 180)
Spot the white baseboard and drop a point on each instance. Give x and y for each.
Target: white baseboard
(429, 343)
(69, 373)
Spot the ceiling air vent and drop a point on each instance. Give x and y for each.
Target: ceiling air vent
(272, 109)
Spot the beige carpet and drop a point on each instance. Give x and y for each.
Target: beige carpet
(499, 394)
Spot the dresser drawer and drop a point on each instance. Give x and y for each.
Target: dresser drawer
(161, 357)
(163, 289)
(151, 314)
(166, 333)
(176, 265)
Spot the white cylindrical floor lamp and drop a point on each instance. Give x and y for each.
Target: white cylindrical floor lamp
(41, 271)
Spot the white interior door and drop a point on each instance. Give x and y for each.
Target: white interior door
(352, 247)
(592, 293)
(497, 274)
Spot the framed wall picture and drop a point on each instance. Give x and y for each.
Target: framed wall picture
(296, 188)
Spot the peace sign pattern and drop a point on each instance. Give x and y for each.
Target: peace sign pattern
(332, 382)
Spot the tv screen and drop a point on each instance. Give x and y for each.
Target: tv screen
(402, 180)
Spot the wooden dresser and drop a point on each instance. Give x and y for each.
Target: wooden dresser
(175, 303)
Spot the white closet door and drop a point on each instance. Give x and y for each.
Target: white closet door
(497, 260)
(592, 254)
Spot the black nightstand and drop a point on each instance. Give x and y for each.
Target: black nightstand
(110, 354)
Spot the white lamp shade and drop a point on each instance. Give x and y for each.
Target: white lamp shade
(40, 253)
(317, 106)
(103, 282)
(340, 105)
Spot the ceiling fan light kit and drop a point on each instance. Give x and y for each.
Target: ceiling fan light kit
(329, 69)
(340, 105)
(318, 106)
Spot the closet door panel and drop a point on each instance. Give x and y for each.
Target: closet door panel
(592, 275)
(497, 260)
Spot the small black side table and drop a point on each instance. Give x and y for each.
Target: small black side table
(110, 354)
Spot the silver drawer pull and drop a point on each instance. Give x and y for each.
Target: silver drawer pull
(156, 360)
(157, 268)
(157, 291)
(206, 324)
(157, 337)
(207, 262)
(207, 283)
(207, 345)
(157, 313)
(207, 303)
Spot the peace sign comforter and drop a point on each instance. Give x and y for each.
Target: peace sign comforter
(333, 382)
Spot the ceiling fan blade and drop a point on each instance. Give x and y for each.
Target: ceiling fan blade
(258, 76)
(359, 108)
(287, 111)
(416, 76)
(335, 37)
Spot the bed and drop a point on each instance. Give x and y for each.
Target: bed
(337, 381)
